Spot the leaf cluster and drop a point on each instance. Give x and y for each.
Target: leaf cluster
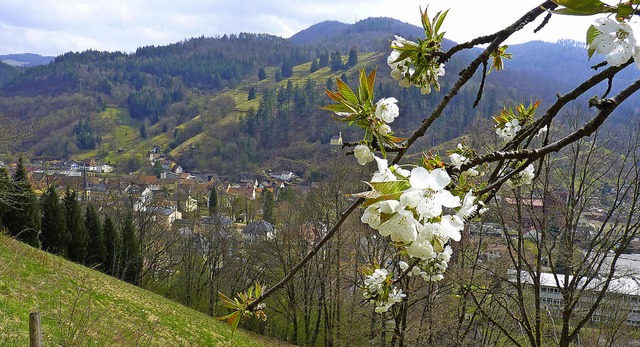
(239, 305)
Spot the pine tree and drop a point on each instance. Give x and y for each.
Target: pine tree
(131, 256)
(268, 206)
(54, 235)
(5, 190)
(213, 202)
(353, 58)
(287, 68)
(336, 61)
(314, 66)
(262, 74)
(22, 217)
(252, 93)
(96, 249)
(324, 59)
(75, 227)
(113, 248)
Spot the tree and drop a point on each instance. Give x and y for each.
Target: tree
(336, 61)
(268, 206)
(113, 248)
(22, 216)
(424, 210)
(213, 202)
(323, 59)
(262, 74)
(54, 235)
(143, 131)
(314, 66)
(252, 93)
(96, 246)
(131, 255)
(353, 58)
(74, 222)
(286, 70)
(158, 170)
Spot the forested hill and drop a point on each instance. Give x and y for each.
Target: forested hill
(248, 101)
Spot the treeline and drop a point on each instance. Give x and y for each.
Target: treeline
(60, 224)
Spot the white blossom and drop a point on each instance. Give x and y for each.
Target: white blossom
(363, 154)
(615, 41)
(384, 130)
(458, 159)
(384, 174)
(387, 110)
(509, 130)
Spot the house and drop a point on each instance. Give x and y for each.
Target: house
(105, 168)
(90, 165)
(176, 169)
(73, 166)
(236, 189)
(166, 215)
(336, 140)
(259, 230)
(283, 176)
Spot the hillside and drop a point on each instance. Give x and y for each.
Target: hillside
(250, 102)
(80, 306)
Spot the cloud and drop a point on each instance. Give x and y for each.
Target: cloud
(55, 27)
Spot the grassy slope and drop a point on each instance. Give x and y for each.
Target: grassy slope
(83, 307)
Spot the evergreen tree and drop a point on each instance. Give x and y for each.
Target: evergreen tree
(262, 74)
(5, 191)
(336, 61)
(213, 202)
(268, 206)
(353, 58)
(157, 168)
(22, 217)
(286, 70)
(96, 248)
(131, 256)
(314, 66)
(323, 59)
(75, 227)
(113, 248)
(252, 93)
(54, 235)
(143, 131)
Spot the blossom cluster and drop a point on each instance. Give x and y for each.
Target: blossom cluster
(413, 70)
(385, 112)
(431, 270)
(378, 290)
(417, 212)
(523, 177)
(509, 130)
(614, 40)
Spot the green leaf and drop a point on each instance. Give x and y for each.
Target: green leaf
(592, 32)
(346, 91)
(337, 97)
(583, 6)
(625, 10)
(371, 80)
(403, 55)
(363, 88)
(390, 187)
(335, 108)
(438, 20)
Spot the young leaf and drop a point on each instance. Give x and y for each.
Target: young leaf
(346, 91)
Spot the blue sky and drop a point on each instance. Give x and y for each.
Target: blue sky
(52, 27)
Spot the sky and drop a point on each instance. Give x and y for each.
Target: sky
(53, 27)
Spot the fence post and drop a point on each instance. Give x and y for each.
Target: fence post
(35, 333)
